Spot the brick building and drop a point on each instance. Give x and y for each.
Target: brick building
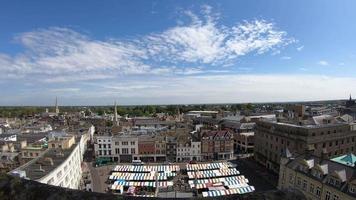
(217, 145)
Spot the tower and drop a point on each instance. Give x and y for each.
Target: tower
(57, 109)
(115, 115)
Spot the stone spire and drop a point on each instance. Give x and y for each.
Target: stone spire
(57, 109)
(115, 114)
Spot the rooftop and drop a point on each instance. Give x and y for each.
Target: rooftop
(348, 159)
(50, 160)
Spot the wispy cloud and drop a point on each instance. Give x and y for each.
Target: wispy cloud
(65, 90)
(300, 48)
(67, 55)
(303, 69)
(323, 63)
(286, 57)
(246, 88)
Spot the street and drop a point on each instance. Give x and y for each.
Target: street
(257, 175)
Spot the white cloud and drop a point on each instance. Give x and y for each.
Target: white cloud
(59, 90)
(323, 63)
(66, 55)
(286, 57)
(236, 88)
(300, 48)
(303, 69)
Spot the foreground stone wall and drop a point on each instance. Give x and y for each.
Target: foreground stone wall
(15, 188)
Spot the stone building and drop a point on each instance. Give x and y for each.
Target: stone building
(272, 137)
(319, 177)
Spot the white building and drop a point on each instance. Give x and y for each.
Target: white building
(102, 146)
(189, 151)
(60, 165)
(125, 148)
(119, 148)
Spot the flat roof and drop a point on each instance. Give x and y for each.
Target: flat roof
(58, 156)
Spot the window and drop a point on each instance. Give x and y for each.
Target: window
(299, 181)
(125, 151)
(327, 195)
(133, 143)
(133, 151)
(318, 191)
(50, 181)
(336, 197)
(109, 146)
(291, 178)
(99, 146)
(305, 185)
(125, 143)
(59, 174)
(311, 188)
(330, 144)
(331, 181)
(352, 189)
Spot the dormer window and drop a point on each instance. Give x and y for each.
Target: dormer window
(331, 181)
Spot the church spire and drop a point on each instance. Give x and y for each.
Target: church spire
(115, 114)
(57, 109)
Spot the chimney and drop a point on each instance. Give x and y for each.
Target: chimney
(324, 155)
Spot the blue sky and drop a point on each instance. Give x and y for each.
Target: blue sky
(168, 52)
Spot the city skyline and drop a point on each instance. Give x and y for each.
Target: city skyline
(191, 52)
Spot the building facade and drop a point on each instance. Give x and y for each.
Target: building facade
(318, 178)
(272, 137)
(217, 145)
(188, 151)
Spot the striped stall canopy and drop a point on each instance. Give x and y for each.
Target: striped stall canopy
(142, 183)
(208, 166)
(242, 190)
(213, 173)
(230, 184)
(218, 180)
(146, 168)
(137, 176)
